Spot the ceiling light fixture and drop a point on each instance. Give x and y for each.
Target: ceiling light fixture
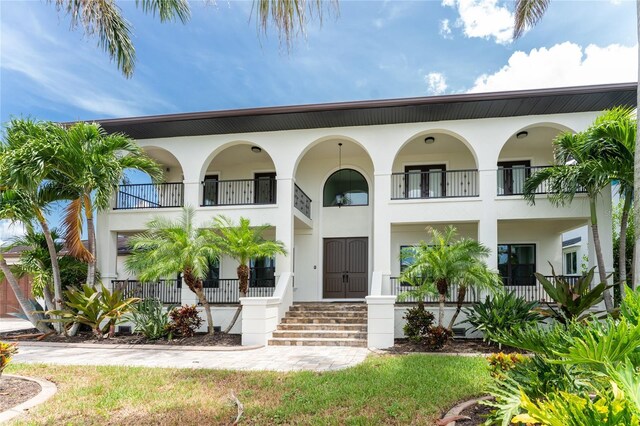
(256, 149)
(429, 140)
(522, 135)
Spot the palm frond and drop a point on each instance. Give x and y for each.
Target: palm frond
(168, 10)
(73, 231)
(527, 14)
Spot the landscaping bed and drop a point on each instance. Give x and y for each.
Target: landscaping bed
(200, 339)
(464, 346)
(14, 391)
(477, 414)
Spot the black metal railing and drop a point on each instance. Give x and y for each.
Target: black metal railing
(166, 291)
(227, 291)
(301, 201)
(150, 196)
(511, 180)
(534, 292)
(434, 184)
(239, 192)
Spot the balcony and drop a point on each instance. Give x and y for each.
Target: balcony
(239, 192)
(434, 184)
(301, 201)
(150, 196)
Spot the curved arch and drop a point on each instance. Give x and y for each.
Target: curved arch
(436, 131)
(218, 150)
(324, 139)
(171, 166)
(533, 141)
(345, 187)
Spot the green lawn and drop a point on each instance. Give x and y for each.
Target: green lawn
(383, 390)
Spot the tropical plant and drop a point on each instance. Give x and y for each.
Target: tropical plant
(500, 363)
(501, 313)
(150, 319)
(169, 247)
(7, 351)
(185, 321)
(244, 242)
(105, 19)
(101, 310)
(445, 261)
(419, 322)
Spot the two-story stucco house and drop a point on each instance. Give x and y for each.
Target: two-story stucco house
(346, 185)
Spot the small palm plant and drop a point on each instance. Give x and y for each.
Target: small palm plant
(168, 247)
(244, 242)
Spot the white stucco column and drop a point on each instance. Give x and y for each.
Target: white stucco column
(380, 321)
(107, 250)
(259, 319)
(284, 224)
(381, 235)
(488, 225)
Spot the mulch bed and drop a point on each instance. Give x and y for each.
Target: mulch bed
(478, 415)
(465, 346)
(16, 391)
(200, 339)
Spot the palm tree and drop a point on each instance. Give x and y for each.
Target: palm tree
(446, 261)
(613, 135)
(577, 168)
(88, 166)
(114, 31)
(528, 13)
(243, 242)
(168, 247)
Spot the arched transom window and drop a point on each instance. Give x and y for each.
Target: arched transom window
(346, 187)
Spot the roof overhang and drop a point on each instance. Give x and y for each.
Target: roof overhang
(393, 111)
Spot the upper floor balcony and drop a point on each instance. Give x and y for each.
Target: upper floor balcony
(428, 182)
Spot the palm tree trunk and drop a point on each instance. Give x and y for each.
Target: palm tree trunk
(602, 273)
(35, 319)
(195, 286)
(462, 292)
(622, 249)
(243, 284)
(441, 300)
(91, 240)
(636, 178)
(55, 270)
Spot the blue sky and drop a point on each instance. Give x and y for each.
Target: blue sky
(372, 50)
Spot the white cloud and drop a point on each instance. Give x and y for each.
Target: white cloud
(8, 231)
(562, 65)
(483, 19)
(436, 83)
(445, 29)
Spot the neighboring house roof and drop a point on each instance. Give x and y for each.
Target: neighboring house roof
(15, 251)
(571, 241)
(391, 111)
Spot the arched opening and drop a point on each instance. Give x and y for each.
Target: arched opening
(435, 164)
(240, 174)
(345, 187)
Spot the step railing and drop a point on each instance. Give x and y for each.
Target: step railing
(301, 201)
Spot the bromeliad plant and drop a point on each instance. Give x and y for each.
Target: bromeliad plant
(572, 301)
(150, 319)
(101, 310)
(7, 351)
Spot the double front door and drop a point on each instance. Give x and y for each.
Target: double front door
(345, 268)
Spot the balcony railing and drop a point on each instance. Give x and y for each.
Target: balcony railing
(166, 291)
(239, 192)
(434, 184)
(227, 291)
(531, 293)
(301, 201)
(150, 196)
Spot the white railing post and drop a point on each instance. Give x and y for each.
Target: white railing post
(380, 315)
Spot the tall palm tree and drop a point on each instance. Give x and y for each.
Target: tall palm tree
(88, 166)
(104, 18)
(169, 247)
(613, 136)
(445, 261)
(528, 13)
(577, 168)
(244, 242)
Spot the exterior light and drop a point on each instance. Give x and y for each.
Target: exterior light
(429, 140)
(522, 135)
(256, 149)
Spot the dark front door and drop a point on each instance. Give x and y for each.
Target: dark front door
(265, 192)
(345, 268)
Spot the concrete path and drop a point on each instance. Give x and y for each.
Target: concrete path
(274, 358)
(12, 324)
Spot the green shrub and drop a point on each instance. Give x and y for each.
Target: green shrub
(150, 319)
(436, 338)
(185, 320)
(500, 363)
(501, 313)
(419, 321)
(7, 350)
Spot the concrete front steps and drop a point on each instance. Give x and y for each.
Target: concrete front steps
(323, 324)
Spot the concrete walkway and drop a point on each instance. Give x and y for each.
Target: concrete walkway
(12, 324)
(274, 358)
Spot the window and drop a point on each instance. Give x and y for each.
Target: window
(517, 263)
(210, 191)
(571, 263)
(425, 181)
(406, 257)
(262, 272)
(213, 276)
(346, 187)
(511, 176)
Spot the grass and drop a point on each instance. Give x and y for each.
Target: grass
(413, 389)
